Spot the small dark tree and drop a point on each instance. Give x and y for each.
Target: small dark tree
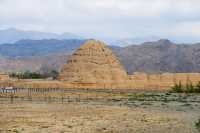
(189, 88)
(53, 74)
(177, 88)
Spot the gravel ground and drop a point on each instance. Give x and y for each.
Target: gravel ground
(133, 116)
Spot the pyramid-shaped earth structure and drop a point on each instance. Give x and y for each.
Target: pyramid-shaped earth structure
(93, 62)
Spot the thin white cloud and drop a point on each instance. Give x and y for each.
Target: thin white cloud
(122, 18)
(184, 28)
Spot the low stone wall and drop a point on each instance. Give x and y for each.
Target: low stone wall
(162, 81)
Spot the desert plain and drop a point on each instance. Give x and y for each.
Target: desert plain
(99, 112)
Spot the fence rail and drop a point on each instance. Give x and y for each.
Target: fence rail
(53, 95)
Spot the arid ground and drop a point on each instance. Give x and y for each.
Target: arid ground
(124, 113)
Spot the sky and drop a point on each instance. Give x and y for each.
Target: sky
(178, 20)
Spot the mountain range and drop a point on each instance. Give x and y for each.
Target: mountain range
(151, 57)
(160, 56)
(12, 35)
(30, 48)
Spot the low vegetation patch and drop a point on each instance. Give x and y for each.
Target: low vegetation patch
(34, 75)
(189, 88)
(148, 97)
(16, 131)
(197, 125)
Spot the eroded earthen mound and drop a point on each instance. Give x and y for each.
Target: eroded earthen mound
(93, 62)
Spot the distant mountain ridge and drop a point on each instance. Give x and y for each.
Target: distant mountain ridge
(130, 41)
(29, 48)
(12, 35)
(151, 57)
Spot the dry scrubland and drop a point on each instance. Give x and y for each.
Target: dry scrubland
(42, 106)
(80, 111)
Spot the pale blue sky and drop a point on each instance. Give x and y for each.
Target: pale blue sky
(173, 19)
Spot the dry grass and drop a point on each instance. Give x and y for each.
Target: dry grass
(81, 118)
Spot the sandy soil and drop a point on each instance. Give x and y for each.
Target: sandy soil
(154, 117)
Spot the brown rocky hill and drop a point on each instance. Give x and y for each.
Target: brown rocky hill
(160, 56)
(35, 64)
(93, 62)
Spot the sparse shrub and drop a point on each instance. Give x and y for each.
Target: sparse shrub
(54, 74)
(146, 103)
(197, 125)
(197, 88)
(189, 88)
(186, 104)
(16, 131)
(177, 88)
